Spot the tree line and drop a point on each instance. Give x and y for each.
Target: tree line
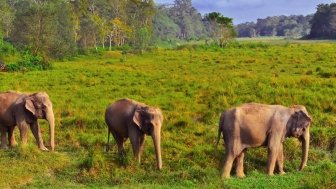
(54, 28)
(290, 26)
(320, 25)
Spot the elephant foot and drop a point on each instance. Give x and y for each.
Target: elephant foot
(225, 176)
(282, 173)
(4, 147)
(241, 175)
(13, 144)
(43, 148)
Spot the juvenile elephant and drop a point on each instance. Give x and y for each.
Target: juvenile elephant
(23, 110)
(254, 125)
(128, 118)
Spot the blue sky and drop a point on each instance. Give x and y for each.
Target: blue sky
(250, 10)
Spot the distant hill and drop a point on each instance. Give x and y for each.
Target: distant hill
(293, 26)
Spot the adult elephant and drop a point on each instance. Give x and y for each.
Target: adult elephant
(127, 118)
(253, 125)
(18, 109)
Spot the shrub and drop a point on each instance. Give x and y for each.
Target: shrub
(30, 62)
(6, 48)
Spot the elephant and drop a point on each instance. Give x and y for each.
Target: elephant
(127, 118)
(254, 125)
(19, 109)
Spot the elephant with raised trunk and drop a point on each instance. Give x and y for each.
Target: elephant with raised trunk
(254, 125)
(127, 118)
(23, 110)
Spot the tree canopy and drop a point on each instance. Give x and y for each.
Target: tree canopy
(324, 22)
(290, 26)
(53, 28)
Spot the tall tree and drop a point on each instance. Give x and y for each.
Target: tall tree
(324, 22)
(140, 19)
(34, 26)
(164, 27)
(188, 19)
(6, 18)
(220, 28)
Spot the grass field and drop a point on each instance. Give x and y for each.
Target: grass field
(192, 86)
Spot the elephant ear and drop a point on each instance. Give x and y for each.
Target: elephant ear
(303, 119)
(30, 105)
(137, 118)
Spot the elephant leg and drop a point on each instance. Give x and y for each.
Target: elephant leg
(229, 158)
(135, 136)
(272, 157)
(38, 136)
(280, 159)
(142, 144)
(11, 137)
(240, 165)
(120, 142)
(23, 127)
(3, 131)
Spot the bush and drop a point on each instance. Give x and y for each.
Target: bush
(30, 62)
(6, 48)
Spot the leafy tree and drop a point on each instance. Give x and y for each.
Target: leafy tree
(141, 14)
(289, 26)
(34, 26)
(120, 32)
(164, 28)
(188, 19)
(220, 28)
(324, 22)
(6, 18)
(64, 43)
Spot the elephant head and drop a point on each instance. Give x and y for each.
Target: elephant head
(40, 106)
(149, 120)
(298, 126)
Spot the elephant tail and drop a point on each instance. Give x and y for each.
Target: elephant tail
(221, 122)
(108, 139)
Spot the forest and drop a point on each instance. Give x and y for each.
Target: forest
(56, 29)
(41, 30)
(294, 26)
(320, 25)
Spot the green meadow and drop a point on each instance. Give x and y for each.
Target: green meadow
(192, 85)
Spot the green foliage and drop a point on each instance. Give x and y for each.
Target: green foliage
(6, 49)
(293, 26)
(192, 86)
(188, 20)
(220, 28)
(323, 22)
(143, 36)
(29, 62)
(164, 27)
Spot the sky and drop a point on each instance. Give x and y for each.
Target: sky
(249, 10)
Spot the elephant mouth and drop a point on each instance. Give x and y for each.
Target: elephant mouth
(296, 135)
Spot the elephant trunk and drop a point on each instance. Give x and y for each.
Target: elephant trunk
(51, 120)
(305, 149)
(157, 145)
